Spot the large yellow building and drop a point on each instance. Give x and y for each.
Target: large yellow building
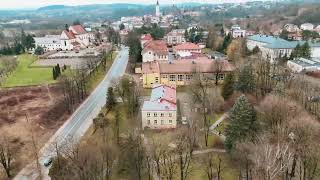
(181, 72)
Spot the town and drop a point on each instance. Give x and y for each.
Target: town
(167, 90)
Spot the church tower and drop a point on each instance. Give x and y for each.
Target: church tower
(158, 9)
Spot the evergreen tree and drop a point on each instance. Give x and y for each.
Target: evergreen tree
(226, 42)
(246, 81)
(58, 70)
(54, 73)
(305, 50)
(228, 86)
(39, 50)
(242, 124)
(111, 101)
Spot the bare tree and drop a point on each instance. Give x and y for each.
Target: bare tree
(217, 69)
(214, 167)
(6, 156)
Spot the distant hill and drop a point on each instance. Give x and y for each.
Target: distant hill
(53, 7)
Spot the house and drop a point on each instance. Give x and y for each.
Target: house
(186, 47)
(216, 55)
(291, 28)
(273, 47)
(304, 65)
(176, 37)
(145, 38)
(307, 26)
(296, 36)
(160, 112)
(75, 37)
(237, 32)
(181, 72)
(155, 51)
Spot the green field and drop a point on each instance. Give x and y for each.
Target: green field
(26, 76)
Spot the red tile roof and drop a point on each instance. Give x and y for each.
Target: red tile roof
(78, 29)
(157, 46)
(186, 46)
(146, 37)
(69, 34)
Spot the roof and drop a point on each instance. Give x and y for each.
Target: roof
(78, 29)
(314, 62)
(278, 43)
(163, 98)
(75, 43)
(200, 64)
(69, 34)
(186, 46)
(146, 37)
(157, 46)
(49, 39)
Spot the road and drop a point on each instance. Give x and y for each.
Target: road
(76, 126)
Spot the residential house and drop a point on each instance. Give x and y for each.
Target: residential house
(291, 28)
(160, 112)
(49, 42)
(155, 51)
(307, 26)
(176, 37)
(186, 47)
(237, 32)
(304, 65)
(181, 72)
(145, 38)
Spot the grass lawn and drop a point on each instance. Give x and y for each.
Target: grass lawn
(213, 118)
(26, 76)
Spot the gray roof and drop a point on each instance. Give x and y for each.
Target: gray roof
(315, 62)
(278, 43)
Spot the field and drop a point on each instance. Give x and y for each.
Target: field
(26, 76)
(39, 110)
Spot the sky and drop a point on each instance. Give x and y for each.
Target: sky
(27, 4)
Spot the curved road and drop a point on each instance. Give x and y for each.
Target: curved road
(76, 126)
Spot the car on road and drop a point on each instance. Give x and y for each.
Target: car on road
(48, 162)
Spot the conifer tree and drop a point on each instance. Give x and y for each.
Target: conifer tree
(228, 86)
(246, 81)
(58, 70)
(111, 101)
(242, 124)
(54, 73)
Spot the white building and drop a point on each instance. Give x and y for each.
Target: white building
(237, 32)
(176, 37)
(74, 38)
(307, 26)
(155, 51)
(158, 13)
(291, 28)
(273, 47)
(304, 65)
(160, 112)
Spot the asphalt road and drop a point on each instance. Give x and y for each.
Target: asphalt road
(76, 126)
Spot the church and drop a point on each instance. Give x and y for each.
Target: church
(158, 13)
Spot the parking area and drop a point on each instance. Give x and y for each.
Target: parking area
(73, 63)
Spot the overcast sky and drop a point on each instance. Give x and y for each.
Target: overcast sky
(21, 4)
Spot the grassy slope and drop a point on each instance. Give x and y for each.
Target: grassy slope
(25, 76)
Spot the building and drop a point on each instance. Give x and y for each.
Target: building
(155, 51)
(291, 28)
(304, 65)
(237, 32)
(145, 38)
(273, 47)
(176, 37)
(160, 112)
(75, 37)
(186, 47)
(181, 72)
(158, 13)
(307, 26)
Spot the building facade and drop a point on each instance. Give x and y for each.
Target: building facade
(186, 47)
(160, 112)
(176, 37)
(155, 51)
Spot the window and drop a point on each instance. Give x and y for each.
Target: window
(162, 115)
(170, 121)
(180, 77)
(155, 122)
(157, 79)
(155, 115)
(221, 76)
(149, 52)
(188, 77)
(164, 76)
(162, 122)
(172, 78)
(148, 114)
(170, 114)
(148, 122)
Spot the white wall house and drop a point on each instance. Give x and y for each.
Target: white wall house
(176, 37)
(49, 42)
(160, 112)
(291, 28)
(307, 26)
(155, 51)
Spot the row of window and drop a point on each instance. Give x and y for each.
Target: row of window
(156, 114)
(155, 122)
(179, 77)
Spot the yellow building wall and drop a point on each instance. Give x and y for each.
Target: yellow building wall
(150, 79)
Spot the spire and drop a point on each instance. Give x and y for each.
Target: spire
(157, 2)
